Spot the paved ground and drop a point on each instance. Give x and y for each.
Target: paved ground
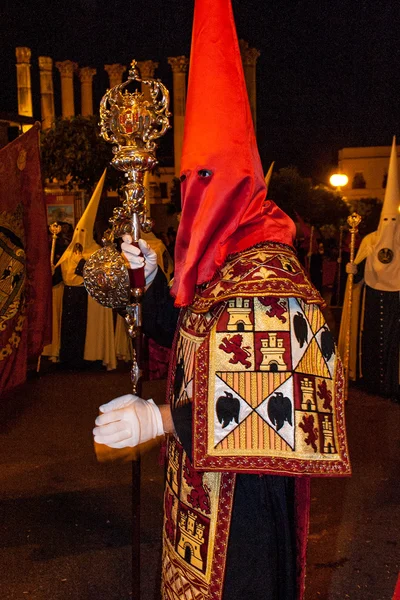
(65, 518)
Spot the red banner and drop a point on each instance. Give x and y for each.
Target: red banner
(25, 275)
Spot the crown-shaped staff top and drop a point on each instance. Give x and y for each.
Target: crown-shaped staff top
(133, 122)
(129, 119)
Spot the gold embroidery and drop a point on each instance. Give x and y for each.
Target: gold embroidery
(268, 400)
(273, 270)
(195, 540)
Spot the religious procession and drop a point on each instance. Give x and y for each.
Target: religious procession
(201, 391)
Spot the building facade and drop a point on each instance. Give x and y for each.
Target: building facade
(366, 169)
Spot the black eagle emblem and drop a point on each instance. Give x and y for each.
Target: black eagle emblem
(300, 329)
(279, 410)
(228, 409)
(327, 343)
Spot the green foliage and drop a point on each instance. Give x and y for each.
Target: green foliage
(370, 211)
(290, 191)
(74, 154)
(327, 208)
(296, 195)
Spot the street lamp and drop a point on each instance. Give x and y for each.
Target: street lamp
(338, 180)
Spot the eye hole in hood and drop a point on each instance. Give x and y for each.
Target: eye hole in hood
(204, 173)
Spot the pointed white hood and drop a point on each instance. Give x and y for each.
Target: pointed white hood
(83, 235)
(268, 176)
(382, 247)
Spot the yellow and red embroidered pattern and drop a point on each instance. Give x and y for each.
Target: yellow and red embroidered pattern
(255, 358)
(268, 391)
(197, 513)
(268, 269)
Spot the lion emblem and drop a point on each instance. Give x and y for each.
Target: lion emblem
(233, 345)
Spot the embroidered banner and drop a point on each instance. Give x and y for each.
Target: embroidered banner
(25, 276)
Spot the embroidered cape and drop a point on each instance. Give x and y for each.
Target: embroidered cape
(257, 359)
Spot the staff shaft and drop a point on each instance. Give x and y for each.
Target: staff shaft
(353, 221)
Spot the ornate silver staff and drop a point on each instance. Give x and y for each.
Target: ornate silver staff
(132, 123)
(54, 230)
(353, 221)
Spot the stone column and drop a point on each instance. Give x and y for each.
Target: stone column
(115, 72)
(46, 91)
(86, 75)
(67, 68)
(23, 55)
(179, 65)
(147, 69)
(249, 60)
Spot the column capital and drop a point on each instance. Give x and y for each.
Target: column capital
(179, 64)
(249, 55)
(67, 68)
(114, 70)
(45, 63)
(147, 67)
(23, 54)
(86, 74)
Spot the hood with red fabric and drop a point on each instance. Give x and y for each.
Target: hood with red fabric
(224, 205)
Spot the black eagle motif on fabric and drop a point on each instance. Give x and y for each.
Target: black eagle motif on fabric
(228, 409)
(327, 343)
(300, 329)
(279, 410)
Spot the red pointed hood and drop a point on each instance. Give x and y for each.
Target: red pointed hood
(224, 207)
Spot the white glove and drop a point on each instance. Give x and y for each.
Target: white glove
(351, 268)
(128, 421)
(149, 258)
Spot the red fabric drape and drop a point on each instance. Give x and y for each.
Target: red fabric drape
(25, 275)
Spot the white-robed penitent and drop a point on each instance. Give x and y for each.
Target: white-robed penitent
(381, 252)
(99, 335)
(381, 248)
(52, 350)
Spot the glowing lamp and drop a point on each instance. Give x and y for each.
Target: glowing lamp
(338, 180)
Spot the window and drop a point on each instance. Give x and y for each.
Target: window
(359, 182)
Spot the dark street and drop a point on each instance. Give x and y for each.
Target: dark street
(65, 518)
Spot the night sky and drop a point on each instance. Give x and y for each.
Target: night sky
(328, 75)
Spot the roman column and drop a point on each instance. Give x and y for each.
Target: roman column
(147, 69)
(67, 69)
(115, 72)
(249, 60)
(46, 91)
(179, 65)
(86, 75)
(23, 65)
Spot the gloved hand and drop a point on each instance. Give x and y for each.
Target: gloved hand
(128, 421)
(351, 268)
(149, 258)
